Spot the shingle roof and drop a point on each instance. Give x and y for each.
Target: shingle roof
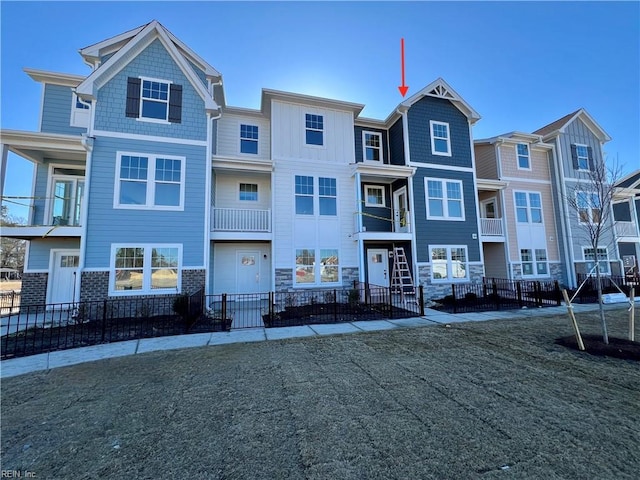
(557, 125)
(630, 180)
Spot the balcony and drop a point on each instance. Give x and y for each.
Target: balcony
(492, 229)
(626, 229)
(240, 224)
(383, 228)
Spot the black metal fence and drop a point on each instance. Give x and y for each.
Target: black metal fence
(500, 294)
(9, 302)
(589, 291)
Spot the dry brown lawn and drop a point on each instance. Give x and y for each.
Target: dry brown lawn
(484, 400)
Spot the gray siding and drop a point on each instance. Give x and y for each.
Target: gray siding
(155, 62)
(443, 232)
(107, 225)
(396, 143)
(441, 110)
(637, 200)
(40, 250)
(358, 143)
(577, 132)
(622, 212)
(56, 111)
(558, 212)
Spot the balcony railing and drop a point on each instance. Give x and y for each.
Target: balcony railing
(626, 229)
(491, 227)
(400, 223)
(240, 220)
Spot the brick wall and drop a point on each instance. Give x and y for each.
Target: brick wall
(94, 286)
(193, 280)
(34, 289)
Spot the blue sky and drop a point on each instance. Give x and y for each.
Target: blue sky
(521, 65)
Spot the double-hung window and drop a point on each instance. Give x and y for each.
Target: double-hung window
(145, 269)
(249, 139)
(149, 181)
(588, 207)
(528, 207)
(524, 160)
(444, 199)
(600, 255)
(327, 196)
(314, 129)
(449, 263)
(154, 100)
(372, 145)
(440, 138)
(304, 195)
(582, 157)
(374, 196)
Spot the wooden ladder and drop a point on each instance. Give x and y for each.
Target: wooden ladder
(401, 280)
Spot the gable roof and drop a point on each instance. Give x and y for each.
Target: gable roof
(133, 45)
(560, 125)
(441, 89)
(630, 181)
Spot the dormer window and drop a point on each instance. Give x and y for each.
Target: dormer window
(154, 100)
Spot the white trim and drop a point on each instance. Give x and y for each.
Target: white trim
(527, 180)
(207, 204)
(146, 270)
(37, 270)
(317, 267)
(534, 263)
(590, 206)
(240, 139)
(80, 117)
(366, 196)
(518, 156)
(449, 279)
(149, 138)
(379, 148)
(528, 207)
(48, 204)
(97, 269)
(437, 166)
(194, 268)
(578, 157)
(240, 183)
(52, 266)
(41, 112)
(323, 145)
(448, 153)
(595, 253)
(150, 182)
(168, 83)
(445, 199)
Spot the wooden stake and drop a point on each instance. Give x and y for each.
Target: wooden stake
(574, 323)
(632, 298)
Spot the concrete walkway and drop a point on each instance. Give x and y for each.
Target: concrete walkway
(62, 358)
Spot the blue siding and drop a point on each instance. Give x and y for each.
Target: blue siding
(396, 143)
(40, 187)
(442, 232)
(40, 249)
(358, 142)
(154, 62)
(56, 111)
(441, 110)
(107, 225)
(377, 219)
(201, 75)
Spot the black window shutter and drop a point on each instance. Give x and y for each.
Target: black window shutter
(133, 97)
(590, 153)
(574, 156)
(175, 104)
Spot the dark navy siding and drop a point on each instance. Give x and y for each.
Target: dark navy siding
(443, 232)
(441, 110)
(622, 212)
(377, 219)
(637, 200)
(396, 143)
(358, 143)
(389, 246)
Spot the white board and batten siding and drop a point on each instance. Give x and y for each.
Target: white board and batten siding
(228, 136)
(293, 157)
(227, 190)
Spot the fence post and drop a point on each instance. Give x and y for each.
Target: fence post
(335, 306)
(495, 293)
(13, 297)
(556, 286)
(453, 294)
(519, 292)
(224, 308)
(366, 293)
(421, 299)
(390, 302)
(104, 319)
(271, 301)
(538, 290)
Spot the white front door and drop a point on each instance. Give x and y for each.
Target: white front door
(378, 266)
(248, 271)
(400, 211)
(63, 276)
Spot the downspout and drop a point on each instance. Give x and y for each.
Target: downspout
(477, 200)
(407, 162)
(87, 142)
(503, 212)
(358, 231)
(562, 210)
(207, 194)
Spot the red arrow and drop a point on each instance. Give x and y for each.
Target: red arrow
(403, 88)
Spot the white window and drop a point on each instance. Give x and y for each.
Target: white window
(80, 112)
(372, 146)
(308, 274)
(145, 269)
(528, 207)
(149, 181)
(444, 199)
(65, 200)
(249, 139)
(304, 195)
(449, 263)
(588, 207)
(327, 199)
(314, 129)
(590, 260)
(154, 99)
(524, 162)
(532, 266)
(582, 152)
(541, 261)
(440, 138)
(249, 192)
(374, 196)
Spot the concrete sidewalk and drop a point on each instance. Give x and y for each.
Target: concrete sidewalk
(62, 358)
